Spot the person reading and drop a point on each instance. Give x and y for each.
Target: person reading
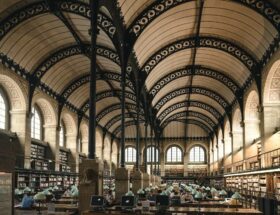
(27, 201)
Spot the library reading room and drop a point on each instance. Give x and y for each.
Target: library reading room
(153, 107)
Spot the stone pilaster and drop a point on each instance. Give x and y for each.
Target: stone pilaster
(162, 165)
(146, 180)
(51, 136)
(72, 144)
(186, 161)
(122, 176)
(137, 181)
(91, 181)
(21, 124)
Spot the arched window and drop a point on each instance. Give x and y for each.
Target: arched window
(62, 135)
(130, 155)
(3, 112)
(174, 155)
(36, 124)
(197, 155)
(151, 149)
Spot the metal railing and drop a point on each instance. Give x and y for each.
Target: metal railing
(264, 160)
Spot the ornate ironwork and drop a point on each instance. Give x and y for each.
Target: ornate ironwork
(86, 78)
(194, 90)
(114, 107)
(59, 55)
(201, 116)
(198, 70)
(153, 11)
(128, 123)
(41, 7)
(106, 94)
(209, 42)
(117, 118)
(194, 122)
(191, 103)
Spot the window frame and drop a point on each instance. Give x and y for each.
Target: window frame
(157, 152)
(126, 155)
(62, 127)
(38, 110)
(197, 162)
(4, 96)
(174, 162)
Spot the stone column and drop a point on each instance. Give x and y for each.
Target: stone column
(21, 124)
(162, 164)
(122, 177)
(237, 139)
(186, 162)
(252, 132)
(146, 180)
(91, 181)
(51, 136)
(137, 181)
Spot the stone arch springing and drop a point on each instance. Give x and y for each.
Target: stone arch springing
(252, 124)
(271, 106)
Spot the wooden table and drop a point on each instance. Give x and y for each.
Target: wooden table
(66, 207)
(209, 204)
(44, 212)
(184, 210)
(65, 201)
(217, 211)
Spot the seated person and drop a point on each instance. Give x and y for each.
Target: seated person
(189, 197)
(109, 198)
(67, 192)
(27, 201)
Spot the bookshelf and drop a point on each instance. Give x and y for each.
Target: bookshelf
(38, 157)
(39, 180)
(63, 158)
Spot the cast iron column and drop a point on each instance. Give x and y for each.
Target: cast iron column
(92, 93)
(137, 130)
(123, 70)
(151, 152)
(146, 155)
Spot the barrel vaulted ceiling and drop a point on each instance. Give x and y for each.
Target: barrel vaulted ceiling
(190, 60)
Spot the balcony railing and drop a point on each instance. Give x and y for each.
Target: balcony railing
(262, 161)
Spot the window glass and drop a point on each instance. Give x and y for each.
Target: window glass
(174, 154)
(36, 124)
(3, 112)
(130, 155)
(151, 149)
(197, 155)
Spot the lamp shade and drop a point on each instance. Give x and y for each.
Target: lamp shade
(46, 192)
(236, 195)
(198, 195)
(40, 196)
(129, 193)
(140, 191)
(75, 193)
(27, 189)
(223, 193)
(147, 189)
(106, 187)
(18, 191)
(163, 193)
(55, 188)
(207, 189)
